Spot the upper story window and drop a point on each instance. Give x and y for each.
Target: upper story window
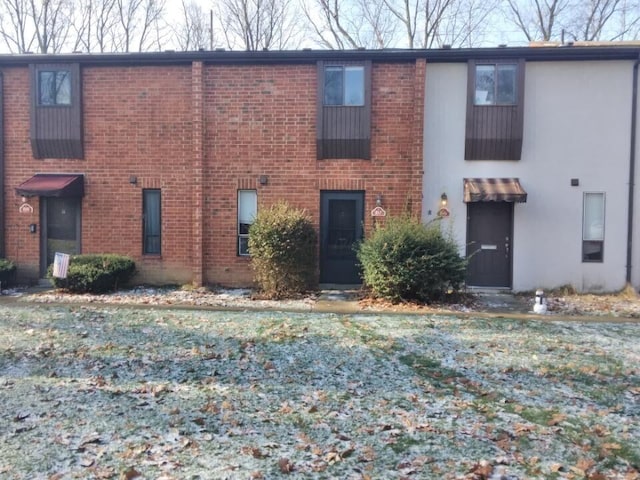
(496, 84)
(344, 85)
(495, 110)
(343, 128)
(55, 97)
(54, 87)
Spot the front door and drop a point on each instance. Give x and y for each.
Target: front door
(489, 244)
(341, 228)
(59, 228)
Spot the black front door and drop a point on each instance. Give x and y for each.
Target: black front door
(341, 228)
(489, 244)
(59, 228)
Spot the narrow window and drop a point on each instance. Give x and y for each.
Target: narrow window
(151, 221)
(344, 85)
(247, 210)
(496, 84)
(54, 87)
(593, 227)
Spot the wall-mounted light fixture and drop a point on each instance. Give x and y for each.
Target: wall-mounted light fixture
(263, 180)
(379, 200)
(133, 180)
(444, 201)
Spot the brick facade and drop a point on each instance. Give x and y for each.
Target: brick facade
(199, 132)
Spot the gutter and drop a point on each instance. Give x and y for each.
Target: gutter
(309, 56)
(632, 167)
(2, 201)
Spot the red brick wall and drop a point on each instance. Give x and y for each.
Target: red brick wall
(137, 122)
(262, 121)
(200, 133)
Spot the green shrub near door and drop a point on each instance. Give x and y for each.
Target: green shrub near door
(407, 260)
(283, 245)
(95, 273)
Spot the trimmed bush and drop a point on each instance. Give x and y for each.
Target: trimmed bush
(95, 273)
(7, 272)
(282, 244)
(407, 260)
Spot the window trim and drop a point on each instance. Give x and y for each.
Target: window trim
(242, 236)
(145, 191)
(604, 221)
(55, 104)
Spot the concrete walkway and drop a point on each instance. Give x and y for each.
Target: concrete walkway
(494, 304)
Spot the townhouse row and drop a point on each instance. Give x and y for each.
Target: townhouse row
(525, 155)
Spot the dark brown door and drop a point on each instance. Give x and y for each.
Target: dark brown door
(489, 244)
(59, 228)
(341, 228)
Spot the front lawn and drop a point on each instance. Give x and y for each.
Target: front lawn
(111, 392)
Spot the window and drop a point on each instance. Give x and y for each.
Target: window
(593, 227)
(247, 209)
(151, 221)
(344, 85)
(343, 128)
(55, 94)
(54, 87)
(495, 110)
(496, 84)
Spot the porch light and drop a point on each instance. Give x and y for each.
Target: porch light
(444, 201)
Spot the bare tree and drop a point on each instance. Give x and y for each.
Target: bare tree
(137, 25)
(51, 22)
(337, 24)
(538, 19)
(257, 24)
(14, 30)
(466, 23)
(193, 32)
(585, 20)
(602, 19)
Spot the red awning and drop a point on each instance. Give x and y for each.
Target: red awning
(52, 185)
(493, 190)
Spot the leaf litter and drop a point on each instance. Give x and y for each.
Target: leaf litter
(112, 392)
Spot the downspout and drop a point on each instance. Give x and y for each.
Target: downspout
(2, 204)
(632, 167)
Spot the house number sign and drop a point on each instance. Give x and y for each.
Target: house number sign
(378, 212)
(25, 208)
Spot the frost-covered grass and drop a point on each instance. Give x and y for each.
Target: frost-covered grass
(107, 392)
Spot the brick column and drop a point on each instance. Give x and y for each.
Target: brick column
(197, 220)
(417, 160)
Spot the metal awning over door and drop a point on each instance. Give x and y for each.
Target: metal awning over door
(493, 190)
(52, 185)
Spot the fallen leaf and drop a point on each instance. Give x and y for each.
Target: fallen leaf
(285, 465)
(556, 467)
(556, 419)
(130, 474)
(482, 470)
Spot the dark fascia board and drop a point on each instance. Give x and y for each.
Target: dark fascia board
(556, 53)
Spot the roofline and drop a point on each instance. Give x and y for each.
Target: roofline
(442, 55)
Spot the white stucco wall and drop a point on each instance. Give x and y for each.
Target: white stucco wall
(576, 125)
